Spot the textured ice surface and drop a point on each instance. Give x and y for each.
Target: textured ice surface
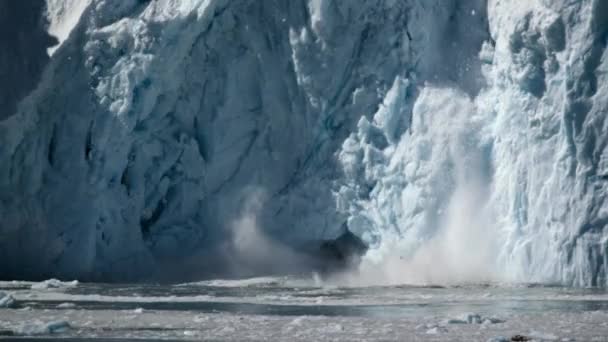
(509, 183)
(63, 16)
(466, 135)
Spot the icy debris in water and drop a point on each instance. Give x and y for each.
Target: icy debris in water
(536, 335)
(227, 330)
(66, 306)
(426, 326)
(53, 284)
(499, 339)
(29, 329)
(437, 330)
(189, 333)
(58, 327)
(138, 311)
(6, 300)
(40, 328)
(491, 320)
(200, 319)
(334, 328)
(473, 318)
(298, 321)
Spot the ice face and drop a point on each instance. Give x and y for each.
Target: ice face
(170, 115)
(465, 134)
(63, 16)
(505, 185)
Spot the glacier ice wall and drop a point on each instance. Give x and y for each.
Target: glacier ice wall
(63, 16)
(550, 179)
(469, 135)
(508, 184)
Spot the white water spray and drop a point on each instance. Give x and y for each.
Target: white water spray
(462, 246)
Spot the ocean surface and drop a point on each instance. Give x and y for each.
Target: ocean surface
(284, 308)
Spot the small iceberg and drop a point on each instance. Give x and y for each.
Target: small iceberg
(6, 300)
(41, 328)
(53, 284)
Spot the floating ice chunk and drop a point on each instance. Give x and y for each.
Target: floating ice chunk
(41, 328)
(227, 330)
(6, 300)
(58, 327)
(298, 321)
(139, 310)
(334, 328)
(455, 321)
(54, 284)
(492, 320)
(498, 339)
(66, 306)
(537, 335)
(473, 318)
(29, 329)
(437, 330)
(190, 333)
(200, 319)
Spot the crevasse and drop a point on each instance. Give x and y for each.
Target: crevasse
(463, 140)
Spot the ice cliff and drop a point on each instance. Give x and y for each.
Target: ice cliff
(465, 135)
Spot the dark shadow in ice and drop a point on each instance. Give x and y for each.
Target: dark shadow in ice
(23, 41)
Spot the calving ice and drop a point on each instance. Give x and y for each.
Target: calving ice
(459, 140)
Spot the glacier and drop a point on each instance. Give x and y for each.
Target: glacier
(462, 140)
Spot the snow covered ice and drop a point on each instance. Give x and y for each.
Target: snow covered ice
(463, 141)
